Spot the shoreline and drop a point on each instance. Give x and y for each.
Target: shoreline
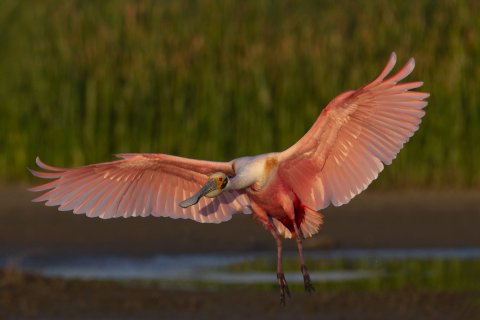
(400, 219)
(372, 221)
(26, 295)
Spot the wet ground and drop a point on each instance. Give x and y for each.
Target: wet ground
(413, 219)
(29, 296)
(442, 219)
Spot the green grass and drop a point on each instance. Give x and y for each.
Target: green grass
(441, 274)
(387, 274)
(81, 80)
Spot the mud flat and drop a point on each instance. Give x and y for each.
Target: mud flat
(399, 219)
(413, 219)
(31, 296)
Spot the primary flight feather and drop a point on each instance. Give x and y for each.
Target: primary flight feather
(347, 147)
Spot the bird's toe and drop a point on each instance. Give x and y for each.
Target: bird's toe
(307, 281)
(284, 291)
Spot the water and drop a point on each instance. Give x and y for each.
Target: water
(210, 267)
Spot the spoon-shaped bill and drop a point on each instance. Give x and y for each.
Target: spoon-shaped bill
(208, 187)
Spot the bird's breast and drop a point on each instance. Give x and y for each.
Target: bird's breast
(255, 173)
(270, 196)
(267, 173)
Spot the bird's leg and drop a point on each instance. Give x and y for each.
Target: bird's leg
(282, 282)
(267, 221)
(306, 276)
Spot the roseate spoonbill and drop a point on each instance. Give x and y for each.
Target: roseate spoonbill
(344, 151)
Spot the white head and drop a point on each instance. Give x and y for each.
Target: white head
(214, 186)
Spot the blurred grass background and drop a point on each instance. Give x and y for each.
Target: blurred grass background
(452, 274)
(82, 80)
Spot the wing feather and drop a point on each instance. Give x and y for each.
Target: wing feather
(352, 139)
(138, 185)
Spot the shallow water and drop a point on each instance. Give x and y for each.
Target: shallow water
(211, 267)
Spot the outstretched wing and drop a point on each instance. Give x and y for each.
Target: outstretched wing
(354, 136)
(139, 185)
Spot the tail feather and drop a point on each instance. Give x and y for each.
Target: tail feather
(281, 229)
(312, 222)
(309, 226)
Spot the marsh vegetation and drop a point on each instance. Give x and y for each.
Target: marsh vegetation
(220, 79)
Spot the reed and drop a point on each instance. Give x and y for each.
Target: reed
(82, 80)
(446, 274)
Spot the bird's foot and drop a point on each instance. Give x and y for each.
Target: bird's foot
(282, 282)
(306, 280)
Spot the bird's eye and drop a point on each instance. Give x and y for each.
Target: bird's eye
(224, 183)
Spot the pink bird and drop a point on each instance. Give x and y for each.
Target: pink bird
(344, 151)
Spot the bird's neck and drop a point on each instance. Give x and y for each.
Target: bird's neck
(240, 182)
(249, 170)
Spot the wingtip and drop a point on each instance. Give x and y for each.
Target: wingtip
(32, 171)
(411, 63)
(45, 166)
(36, 173)
(38, 162)
(403, 72)
(386, 70)
(393, 57)
(45, 175)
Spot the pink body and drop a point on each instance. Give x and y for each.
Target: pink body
(277, 200)
(347, 146)
(358, 133)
